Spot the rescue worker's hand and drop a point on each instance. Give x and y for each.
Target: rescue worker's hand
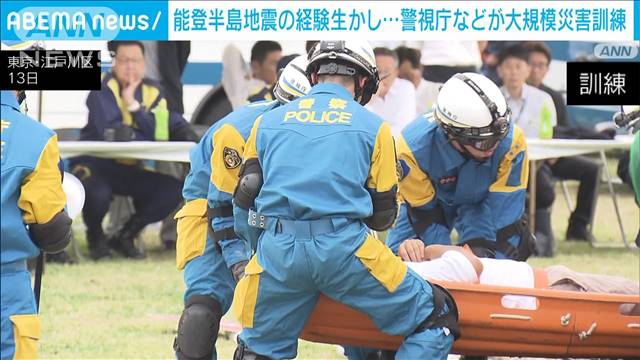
(412, 250)
(128, 93)
(237, 270)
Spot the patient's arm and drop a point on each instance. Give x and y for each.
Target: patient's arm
(435, 251)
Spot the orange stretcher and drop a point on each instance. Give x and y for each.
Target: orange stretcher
(564, 324)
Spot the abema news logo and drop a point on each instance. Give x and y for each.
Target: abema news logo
(98, 22)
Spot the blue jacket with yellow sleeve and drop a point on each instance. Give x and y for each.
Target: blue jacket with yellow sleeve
(31, 179)
(440, 189)
(305, 185)
(215, 162)
(107, 110)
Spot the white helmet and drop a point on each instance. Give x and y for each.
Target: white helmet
(471, 109)
(292, 82)
(348, 58)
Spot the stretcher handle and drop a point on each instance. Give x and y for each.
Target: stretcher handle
(510, 317)
(585, 334)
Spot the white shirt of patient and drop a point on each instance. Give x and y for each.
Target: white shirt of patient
(455, 267)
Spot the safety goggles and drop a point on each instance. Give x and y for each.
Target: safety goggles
(482, 145)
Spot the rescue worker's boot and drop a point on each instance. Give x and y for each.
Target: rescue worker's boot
(97, 242)
(545, 241)
(123, 240)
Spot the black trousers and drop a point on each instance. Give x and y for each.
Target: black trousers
(580, 168)
(154, 195)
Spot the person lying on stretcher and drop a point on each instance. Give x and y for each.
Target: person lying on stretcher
(459, 264)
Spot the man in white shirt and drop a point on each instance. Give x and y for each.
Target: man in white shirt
(395, 101)
(411, 69)
(530, 106)
(534, 112)
(459, 264)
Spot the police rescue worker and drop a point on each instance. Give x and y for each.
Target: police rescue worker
(463, 166)
(33, 220)
(214, 262)
(317, 173)
(128, 107)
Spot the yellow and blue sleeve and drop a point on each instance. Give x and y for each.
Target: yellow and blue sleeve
(382, 173)
(41, 194)
(226, 158)
(240, 215)
(416, 191)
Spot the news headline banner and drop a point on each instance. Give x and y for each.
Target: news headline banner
(297, 20)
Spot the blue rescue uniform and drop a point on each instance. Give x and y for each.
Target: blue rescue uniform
(215, 163)
(31, 194)
(322, 158)
(441, 190)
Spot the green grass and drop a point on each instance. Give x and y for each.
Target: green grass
(129, 309)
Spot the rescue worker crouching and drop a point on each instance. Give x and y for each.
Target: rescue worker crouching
(33, 220)
(464, 166)
(128, 107)
(306, 201)
(209, 251)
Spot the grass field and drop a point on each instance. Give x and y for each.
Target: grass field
(129, 309)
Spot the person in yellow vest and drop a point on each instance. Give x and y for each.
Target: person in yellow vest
(128, 107)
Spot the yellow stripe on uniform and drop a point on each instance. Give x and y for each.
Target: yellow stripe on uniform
(245, 296)
(250, 150)
(415, 188)
(228, 146)
(518, 145)
(41, 194)
(26, 333)
(192, 231)
(382, 175)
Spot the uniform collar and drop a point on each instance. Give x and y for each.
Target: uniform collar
(9, 99)
(452, 158)
(331, 88)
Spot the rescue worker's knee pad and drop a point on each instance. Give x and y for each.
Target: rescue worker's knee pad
(244, 353)
(198, 328)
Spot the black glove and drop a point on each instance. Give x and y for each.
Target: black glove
(237, 270)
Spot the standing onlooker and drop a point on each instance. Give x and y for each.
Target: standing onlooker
(264, 69)
(395, 100)
(411, 69)
(443, 59)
